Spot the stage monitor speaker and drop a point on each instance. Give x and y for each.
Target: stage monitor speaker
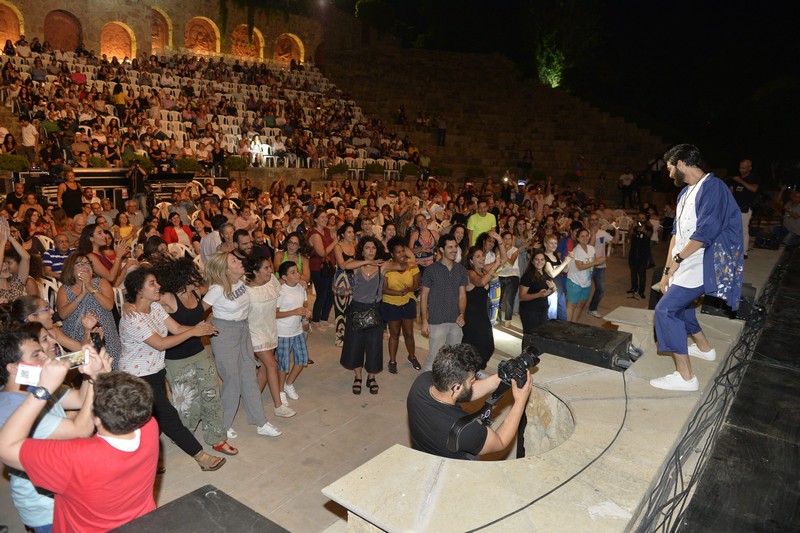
(588, 344)
(717, 306)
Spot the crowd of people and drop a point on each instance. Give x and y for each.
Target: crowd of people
(235, 264)
(89, 110)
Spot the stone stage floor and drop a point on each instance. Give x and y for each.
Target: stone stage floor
(350, 444)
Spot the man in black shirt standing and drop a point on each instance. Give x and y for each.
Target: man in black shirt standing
(744, 188)
(433, 400)
(639, 255)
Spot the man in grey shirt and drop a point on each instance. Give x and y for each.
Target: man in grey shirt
(444, 299)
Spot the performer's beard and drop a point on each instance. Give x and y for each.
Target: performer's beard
(678, 178)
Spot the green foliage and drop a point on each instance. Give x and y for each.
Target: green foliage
(551, 62)
(409, 169)
(97, 162)
(476, 173)
(373, 168)
(340, 169)
(13, 163)
(236, 163)
(188, 164)
(144, 161)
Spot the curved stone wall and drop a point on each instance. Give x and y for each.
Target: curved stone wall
(171, 24)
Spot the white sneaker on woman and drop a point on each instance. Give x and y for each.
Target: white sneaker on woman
(269, 430)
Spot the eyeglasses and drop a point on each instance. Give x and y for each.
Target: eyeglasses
(43, 310)
(83, 263)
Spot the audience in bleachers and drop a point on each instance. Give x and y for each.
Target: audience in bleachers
(193, 107)
(75, 255)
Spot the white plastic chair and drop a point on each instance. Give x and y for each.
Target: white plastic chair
(178, 250)
(46, 241)
(48, 289)
(198, 260)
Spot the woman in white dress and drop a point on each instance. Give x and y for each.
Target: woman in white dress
(263, 288)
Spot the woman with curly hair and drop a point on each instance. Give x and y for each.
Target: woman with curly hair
(364, 349)
(191, 372)
(146, 334)
(297, 251)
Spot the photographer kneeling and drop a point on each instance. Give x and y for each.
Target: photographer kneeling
(433, 410)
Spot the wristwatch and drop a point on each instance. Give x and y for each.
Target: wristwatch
(40, 393)
(677, 259)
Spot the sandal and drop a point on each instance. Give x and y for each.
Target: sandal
(357, 386)
(414, 362)
(393, 367)
(209, 463)
(224, 447)
(373, 386)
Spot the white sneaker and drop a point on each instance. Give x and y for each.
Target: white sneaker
(595, 314)
(710, 355)
(290, 391)
(675, 381)
(284, 399)
(269, 430)
(232, 433)
(284, 411)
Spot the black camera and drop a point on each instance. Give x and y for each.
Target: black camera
(516, 368)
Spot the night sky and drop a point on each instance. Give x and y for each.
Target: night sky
(723, 75)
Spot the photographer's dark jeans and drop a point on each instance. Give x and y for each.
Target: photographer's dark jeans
(509, 285)
(599, 278)
(324, 302)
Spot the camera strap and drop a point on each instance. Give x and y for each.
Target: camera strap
(482, 416)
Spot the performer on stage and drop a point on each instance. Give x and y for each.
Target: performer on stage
(705, 256)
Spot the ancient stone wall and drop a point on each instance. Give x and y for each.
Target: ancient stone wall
(154, 25)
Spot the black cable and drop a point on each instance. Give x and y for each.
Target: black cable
(573, 476)
(668, 500)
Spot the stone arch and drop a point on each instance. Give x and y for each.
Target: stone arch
(12, 23)
(63, 30)
(161, 36)
(240, 46)
(202, 35)
(288, 46)
(118, 40)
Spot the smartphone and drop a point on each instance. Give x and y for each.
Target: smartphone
(79, 358)
(97, 341)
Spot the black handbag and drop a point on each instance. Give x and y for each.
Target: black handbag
(327, 270)
(368, 318)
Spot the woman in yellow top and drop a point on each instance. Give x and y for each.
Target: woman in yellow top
(399, 307)
(123, 229)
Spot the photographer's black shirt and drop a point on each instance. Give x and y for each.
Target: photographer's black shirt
(430, 421)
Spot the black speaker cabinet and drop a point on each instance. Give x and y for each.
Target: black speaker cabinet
(717, 306)
(588, 344)
(767, 240)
